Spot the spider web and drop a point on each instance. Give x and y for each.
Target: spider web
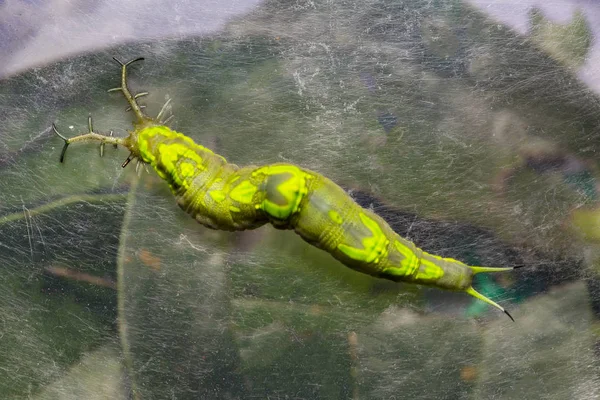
(467, 137)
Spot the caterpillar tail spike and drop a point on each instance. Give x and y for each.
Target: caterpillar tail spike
(478, 270)
(481, 297)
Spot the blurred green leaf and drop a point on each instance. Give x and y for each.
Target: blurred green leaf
(98, 375)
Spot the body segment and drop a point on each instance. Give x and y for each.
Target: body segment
(223, 196)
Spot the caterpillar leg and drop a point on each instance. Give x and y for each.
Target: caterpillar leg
(88, 137)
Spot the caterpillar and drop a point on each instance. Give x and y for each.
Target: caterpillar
(221, 195)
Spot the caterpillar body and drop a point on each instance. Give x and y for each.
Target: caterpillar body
(221, 195)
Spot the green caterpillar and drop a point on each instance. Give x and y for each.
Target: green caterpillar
(221, 195)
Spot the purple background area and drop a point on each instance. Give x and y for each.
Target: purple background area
(34, 32)
(37, 32)
(515, 14)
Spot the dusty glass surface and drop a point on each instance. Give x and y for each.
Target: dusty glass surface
(471, 127)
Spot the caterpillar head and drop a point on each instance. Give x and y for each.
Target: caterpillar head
(141, 123)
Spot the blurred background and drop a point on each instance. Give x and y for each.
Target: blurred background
(472, 127)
